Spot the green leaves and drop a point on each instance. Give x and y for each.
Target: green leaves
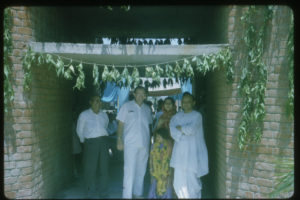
(169, 71)
(115, 75)
(96, 75)
(181, 69)
(187, 69)
(285, 180)
(111, 76)
(177, 70)
(253, 80)
(80, 79)
(135, 77)
(105, 74)
(59, 65)
(68, 72)
(125, 76)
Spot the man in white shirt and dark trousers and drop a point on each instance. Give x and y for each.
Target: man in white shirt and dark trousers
(189, 156)
(135, 119)
(91, 130)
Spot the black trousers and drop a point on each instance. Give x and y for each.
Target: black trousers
(95, 161)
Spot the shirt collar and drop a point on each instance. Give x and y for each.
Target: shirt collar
(91, 111)
(137, 105)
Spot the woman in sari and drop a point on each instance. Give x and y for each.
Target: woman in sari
(160, 155)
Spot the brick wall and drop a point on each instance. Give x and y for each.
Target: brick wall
(218, 102)
(37, 149)
(37, 139)
(250, 174)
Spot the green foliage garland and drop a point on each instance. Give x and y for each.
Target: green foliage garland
(179, 69)
(253, 79)
(7, 47)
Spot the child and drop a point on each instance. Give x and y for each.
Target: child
(161, 173)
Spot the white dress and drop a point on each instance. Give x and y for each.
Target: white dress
(189, 152)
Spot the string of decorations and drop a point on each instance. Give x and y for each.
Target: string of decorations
(181, 69)
(121, 66)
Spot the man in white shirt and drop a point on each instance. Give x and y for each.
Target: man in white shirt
(91, 130)
(134, 119)
(189, 156)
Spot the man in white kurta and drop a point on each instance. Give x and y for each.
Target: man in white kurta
(189, 157)
(134, 130)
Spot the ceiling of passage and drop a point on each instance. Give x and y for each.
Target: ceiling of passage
(203, 24)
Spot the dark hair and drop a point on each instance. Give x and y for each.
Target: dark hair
(187, 94)
(94, 95)
(160, 103)
(140, 87)
(171, 99)
(164, 133)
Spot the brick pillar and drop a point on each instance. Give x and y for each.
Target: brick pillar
(37, 141)
(250, 173)
(18, 139)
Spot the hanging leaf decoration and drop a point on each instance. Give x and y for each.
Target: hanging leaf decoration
(126, 77)
(105, 74)
(189, 69)
(59, 67)
(198, 64)
(96, 76)
(156, 76)
(180, 71)
(115, 75)
(212, 62)
(184, 66)
(177, 70)
(135, 77)
(169, 71)
(149, 71)
(205, 64)
(68, 73)
(159, 70)
(80, 79)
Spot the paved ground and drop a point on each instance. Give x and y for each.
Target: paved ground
(75, 189)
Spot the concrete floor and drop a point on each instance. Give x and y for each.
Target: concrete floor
(75, 190)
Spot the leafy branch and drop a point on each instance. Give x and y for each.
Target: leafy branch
(285, 179)
(253, 78)
(7, 46)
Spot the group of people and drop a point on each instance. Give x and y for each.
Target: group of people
(177, 158)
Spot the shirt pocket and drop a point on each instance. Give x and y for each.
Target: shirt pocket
(131, 116)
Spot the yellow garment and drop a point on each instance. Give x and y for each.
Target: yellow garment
(161, 171)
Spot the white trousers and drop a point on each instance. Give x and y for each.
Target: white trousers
(186, 184)
(135, 164)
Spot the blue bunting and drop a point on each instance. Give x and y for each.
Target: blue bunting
(112, 92)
